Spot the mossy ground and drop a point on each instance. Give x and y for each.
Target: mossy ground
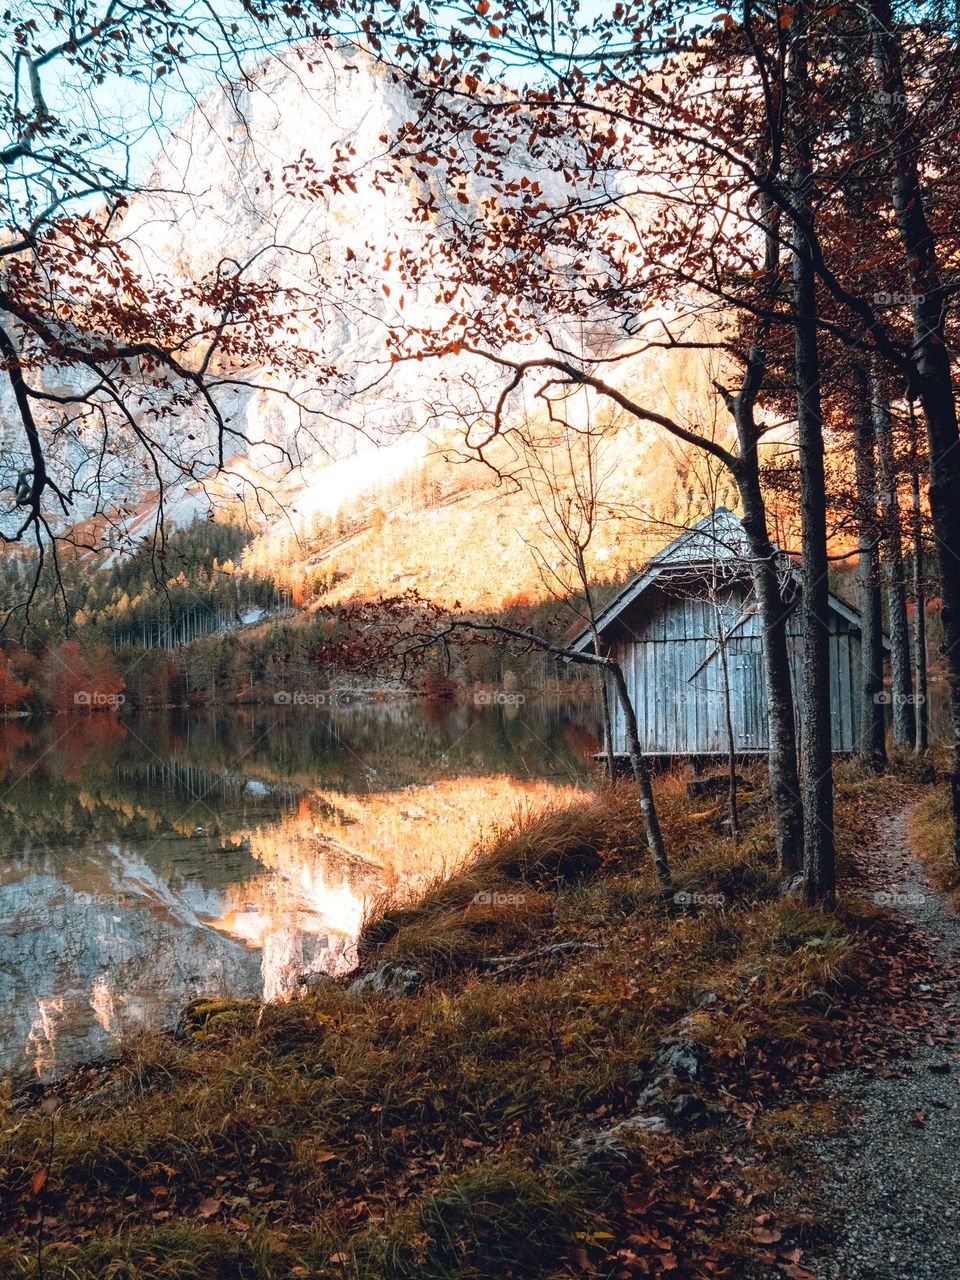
(433, 1135)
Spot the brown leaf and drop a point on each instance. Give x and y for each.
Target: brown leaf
(208, 1206)
(38, 1181)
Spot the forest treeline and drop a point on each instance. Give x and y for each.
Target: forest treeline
(203, 622)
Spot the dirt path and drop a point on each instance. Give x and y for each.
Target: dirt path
(894, 1177)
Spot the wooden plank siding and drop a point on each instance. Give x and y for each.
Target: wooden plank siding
(668, 651)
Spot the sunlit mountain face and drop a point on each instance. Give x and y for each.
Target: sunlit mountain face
(330, 444)
(149, 860)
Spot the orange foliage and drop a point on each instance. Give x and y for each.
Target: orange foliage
(83, 678)
(13, 692)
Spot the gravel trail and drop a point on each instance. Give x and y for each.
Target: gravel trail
(894, 1177)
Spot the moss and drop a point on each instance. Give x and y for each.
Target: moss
(207, 1016)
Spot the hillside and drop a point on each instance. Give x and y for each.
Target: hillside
(280, 177)
(462, 538)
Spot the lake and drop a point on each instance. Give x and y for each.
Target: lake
(146, 859)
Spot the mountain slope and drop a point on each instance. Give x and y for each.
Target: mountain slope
(280, 178)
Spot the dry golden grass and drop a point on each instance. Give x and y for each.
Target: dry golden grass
(930, 828)
(429, 1136)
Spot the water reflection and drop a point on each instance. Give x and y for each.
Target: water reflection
(146, 860)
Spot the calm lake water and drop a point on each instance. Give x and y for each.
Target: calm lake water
(145, 860)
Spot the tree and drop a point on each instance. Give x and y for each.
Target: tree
(931, 375)
(561, 458)
(13, 692)
(919, 599)
(905, 709)
(82, 677)
(114, 370)
(597, 128)
(872, 733)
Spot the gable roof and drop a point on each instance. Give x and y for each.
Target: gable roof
(717, 538)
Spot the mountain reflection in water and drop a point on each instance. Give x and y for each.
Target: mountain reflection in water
(150, 859)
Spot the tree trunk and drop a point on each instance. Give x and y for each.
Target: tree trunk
(731, 740)
(872, 748)
(609, 762)
(782, 750)
(919, 600)
(932, 381)
(819, 870)
(773, 610)
(641, 774)
(901, 684)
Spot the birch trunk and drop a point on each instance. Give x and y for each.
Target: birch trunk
(641, 774)
(871, 743)
(901, 683)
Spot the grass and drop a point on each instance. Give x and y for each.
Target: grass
(930, 828)
(430, 1136)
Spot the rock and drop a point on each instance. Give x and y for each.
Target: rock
(675, 1064)
(679, 1059)
(605, 1147)
(687, 1108)
(388, 979)
(310, 982)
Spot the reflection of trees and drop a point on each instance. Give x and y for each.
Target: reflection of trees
(359, 746)
(125, 842)
(77, 778)
(98, 781)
